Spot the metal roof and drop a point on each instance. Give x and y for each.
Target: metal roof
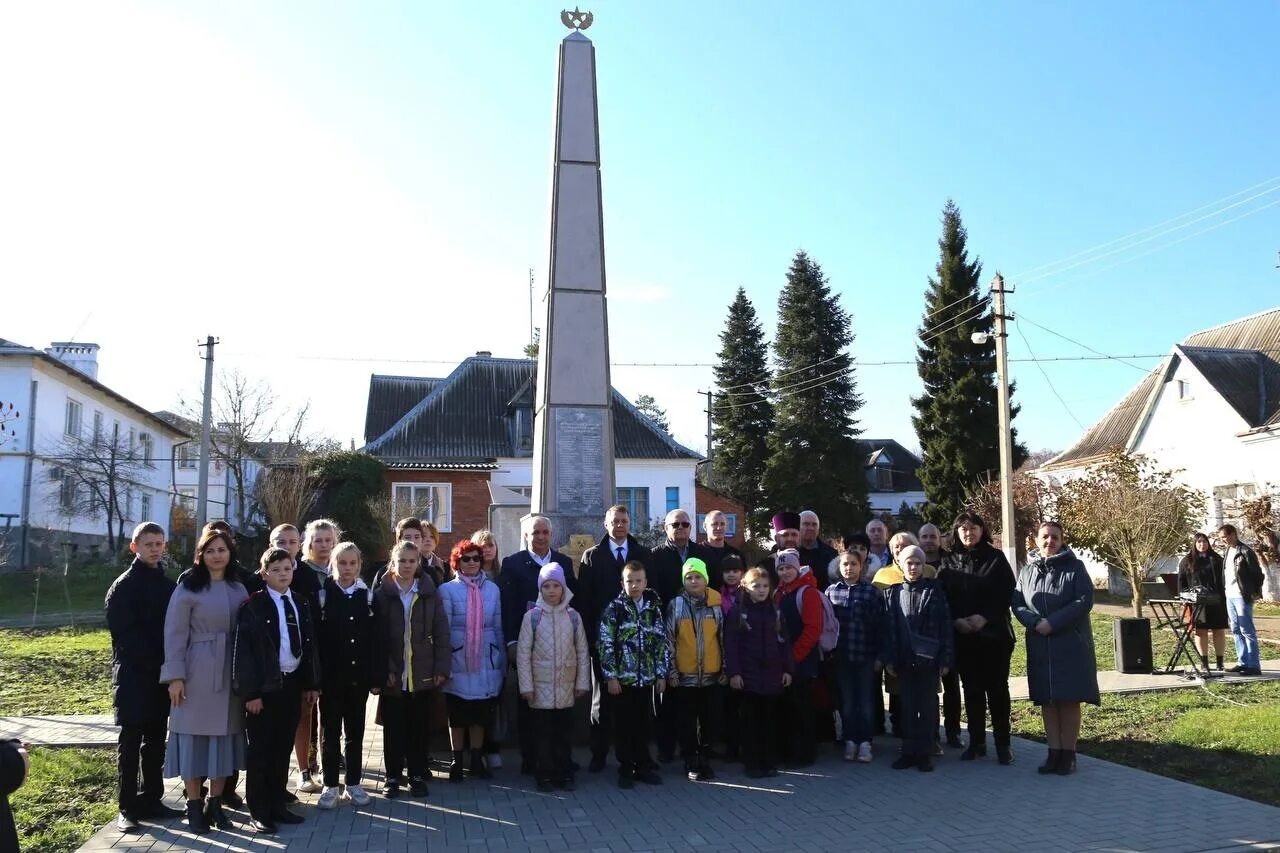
(466, 417)
(1239, 359)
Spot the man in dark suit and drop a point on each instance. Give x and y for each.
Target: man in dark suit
(599, 582)
(518, 580)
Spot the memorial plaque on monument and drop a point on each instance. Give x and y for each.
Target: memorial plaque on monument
(579, 436)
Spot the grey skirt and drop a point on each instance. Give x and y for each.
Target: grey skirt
(203, 756)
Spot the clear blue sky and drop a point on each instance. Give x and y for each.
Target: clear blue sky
(374, 180)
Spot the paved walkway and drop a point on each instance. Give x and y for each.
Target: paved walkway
(979, 807)
(99, 730)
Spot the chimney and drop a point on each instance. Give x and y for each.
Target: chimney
(484, 353)
(83, 357)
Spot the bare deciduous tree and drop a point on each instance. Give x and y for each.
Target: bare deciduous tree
(1130, 515)
(1031, 497)
(287, 492)
(95, 476)
(250, 426)
(8, 414)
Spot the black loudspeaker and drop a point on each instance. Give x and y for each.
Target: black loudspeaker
(1133, 645)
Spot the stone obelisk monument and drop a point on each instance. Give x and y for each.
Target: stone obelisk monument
(573, 449)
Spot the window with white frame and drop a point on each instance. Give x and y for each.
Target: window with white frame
(75, 413)
(187, 455)
(97, 427)
(145, 508)
(431, 502)
(730, 523)
(1184, 389)
(67, 493)
(187, 500)
(636, 500)
(148, 451)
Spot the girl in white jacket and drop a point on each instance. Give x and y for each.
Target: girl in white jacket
(554, 671)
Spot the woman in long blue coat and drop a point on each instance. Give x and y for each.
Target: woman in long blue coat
(1053, 599)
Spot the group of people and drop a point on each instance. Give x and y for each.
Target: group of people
(681, 645)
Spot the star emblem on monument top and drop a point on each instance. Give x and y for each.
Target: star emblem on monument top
(576, 20)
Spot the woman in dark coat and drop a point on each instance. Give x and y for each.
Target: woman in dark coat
(979, 587)
(14, 764)
(1202, 567)
(1052, 600)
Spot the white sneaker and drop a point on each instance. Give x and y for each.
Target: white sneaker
(850, 750)
(864, 752)
(494, 761)
(357, 795)
(307, 785)
(328, 798)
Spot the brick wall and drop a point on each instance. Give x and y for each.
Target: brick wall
(470, 508)
(709, 500)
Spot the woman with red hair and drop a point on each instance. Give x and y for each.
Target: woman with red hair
(472, 604)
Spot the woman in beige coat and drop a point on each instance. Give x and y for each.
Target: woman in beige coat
(554, 671)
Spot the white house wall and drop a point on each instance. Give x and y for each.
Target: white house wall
(54, 388)
(654, 474)
(891, 501)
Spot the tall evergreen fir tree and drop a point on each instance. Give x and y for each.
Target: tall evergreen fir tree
(742, 413)
(956, 420)
(814, 460)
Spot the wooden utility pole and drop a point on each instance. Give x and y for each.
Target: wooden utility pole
(710, 400)
(206, 430)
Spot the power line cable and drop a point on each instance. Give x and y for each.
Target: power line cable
(1045, 374)
(1023, 316)
(1025, 274)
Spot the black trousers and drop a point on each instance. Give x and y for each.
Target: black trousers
(696, 712)
(270, 734)
(984, 671)
(951, 703)
(405, 718)
(797, 736)
(553, 730)
(632, 714)
(666, 723)
(343, 708)
(878, 711)
(140, 746)
(918, 687)
(759, 722)
(600, 730)
(731, 714)
(526, 731)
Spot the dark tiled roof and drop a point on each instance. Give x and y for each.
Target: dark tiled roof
(1247, 379)
(390, 397)
(464, 418)
(1240, 359)
(905, 463)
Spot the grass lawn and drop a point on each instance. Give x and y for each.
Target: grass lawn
(84, 588)
(68, 794)
(1196, 735)
(55, 671)
(1162, 643)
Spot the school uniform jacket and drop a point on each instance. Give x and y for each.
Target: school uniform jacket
(350, 653)
(255, 661)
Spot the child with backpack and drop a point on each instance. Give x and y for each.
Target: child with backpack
(694, 620)
(804, 616)
(758, 661)
(553, 671)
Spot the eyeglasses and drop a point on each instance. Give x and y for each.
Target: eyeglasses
(679, 524)
(469, 558)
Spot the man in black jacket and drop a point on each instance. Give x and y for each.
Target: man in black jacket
(136, 604)
(1242, 574)
(714, 547)
(518, 580)
(815, 552)
(275, 667)
(599, 582)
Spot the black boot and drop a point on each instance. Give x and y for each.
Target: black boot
(1050, 764)
(195, 817)
(455, 767)
(213, 815)
(479, 767)
(974, 750)
(1004, 753)
(1066, 762)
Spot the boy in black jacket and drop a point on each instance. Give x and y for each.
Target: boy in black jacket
(274, 668)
